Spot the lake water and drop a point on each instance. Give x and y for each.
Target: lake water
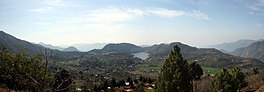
(141, 55)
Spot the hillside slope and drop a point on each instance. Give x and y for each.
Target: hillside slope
(255, 50)
(205, 56)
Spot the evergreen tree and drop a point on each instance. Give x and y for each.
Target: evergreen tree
(195, 72)
(232, 81)
(238, 79)
(222, 82)
(174, 74)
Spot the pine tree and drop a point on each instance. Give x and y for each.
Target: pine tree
(232, 81)
(238, 79)
(222, 82)
(174, 74)
(195, 72)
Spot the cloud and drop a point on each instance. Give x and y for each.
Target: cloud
(257, 6)
(42, 10)
(165, 12)
(117, 19)
(198, 15)
(113, 14)
(49, 5)
(52, 2)
(259, 25)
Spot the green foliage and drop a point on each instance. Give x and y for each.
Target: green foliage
(222, 82)
(225, 81)
(174, 74)
(63, 81)
(195, 71)
(211, 70)
(23, 72)
(238, 78)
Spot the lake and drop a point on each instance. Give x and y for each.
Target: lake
(141, 55)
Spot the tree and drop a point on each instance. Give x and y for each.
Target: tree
(222, 82)
(21, 71)
(130, 80)
(238, 79)
(174, 74)
(195, 72)
(231, 81)
(113, 83)
(121, 83)
(63, 81)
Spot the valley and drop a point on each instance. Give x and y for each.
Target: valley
(123, 60)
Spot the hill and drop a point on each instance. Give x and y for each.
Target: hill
(122, 48)
(71, 49)
(255, 50)
(51, 46)
(231, 46)
(205, 56)
(14, 44)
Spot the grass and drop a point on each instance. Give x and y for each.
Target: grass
(210, 70)
(148, 67)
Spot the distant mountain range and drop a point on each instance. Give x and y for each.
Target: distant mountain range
(51, 46)
(255, 50)
(88, 47)
(204, 56)
(231, 46)
(69, 49)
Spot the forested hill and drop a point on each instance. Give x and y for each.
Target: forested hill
(205, 56)
(14, 44)
(122, 48)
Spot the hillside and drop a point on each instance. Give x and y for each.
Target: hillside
(122, 48)
(51, 46)
(231, 46)
(255, 50)
(71, 49)
(205, 56)
(14, 44)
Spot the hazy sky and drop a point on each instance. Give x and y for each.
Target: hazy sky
(194, 22)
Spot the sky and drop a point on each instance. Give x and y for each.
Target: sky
(143, 22)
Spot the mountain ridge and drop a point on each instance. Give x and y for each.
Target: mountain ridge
(255, 50)
(231, 46)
